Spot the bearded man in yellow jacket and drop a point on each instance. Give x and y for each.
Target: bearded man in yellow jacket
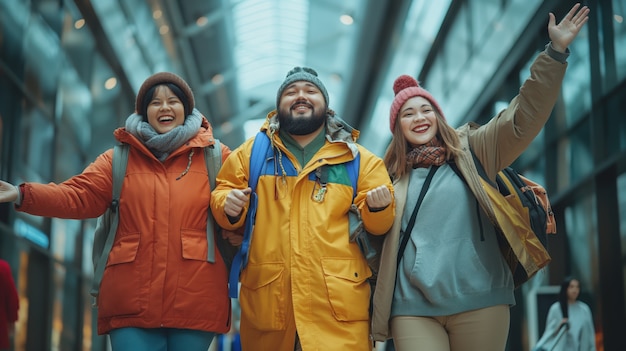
(305, 285)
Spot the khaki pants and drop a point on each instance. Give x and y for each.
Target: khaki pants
(485, 329)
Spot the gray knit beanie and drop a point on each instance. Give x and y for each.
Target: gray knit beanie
(302, 74)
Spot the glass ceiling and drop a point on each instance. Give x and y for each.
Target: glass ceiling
(420, 29)
(264, 53)
(268, 38)
(271, 37)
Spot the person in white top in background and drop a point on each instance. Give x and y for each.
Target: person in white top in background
(580, 334)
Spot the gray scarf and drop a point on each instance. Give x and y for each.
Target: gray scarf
(161, 145)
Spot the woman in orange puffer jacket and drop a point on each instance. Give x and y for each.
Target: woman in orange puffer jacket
(158, 290)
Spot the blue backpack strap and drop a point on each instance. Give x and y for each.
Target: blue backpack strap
(353, 172)
(258, 156)
(260, 149)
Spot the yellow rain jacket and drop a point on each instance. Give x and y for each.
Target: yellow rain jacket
(303, 273)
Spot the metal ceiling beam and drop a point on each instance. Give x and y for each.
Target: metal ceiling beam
(212, 18)
(186, 56)
(385, 20)
(104, 46)
(209, 87)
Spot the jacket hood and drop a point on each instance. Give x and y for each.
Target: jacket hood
(337, 130)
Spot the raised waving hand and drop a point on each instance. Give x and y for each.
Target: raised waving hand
(565, 32)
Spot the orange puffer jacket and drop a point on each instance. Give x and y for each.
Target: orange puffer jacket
(157, 274)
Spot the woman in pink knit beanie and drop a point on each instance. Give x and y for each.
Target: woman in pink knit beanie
(447, 286)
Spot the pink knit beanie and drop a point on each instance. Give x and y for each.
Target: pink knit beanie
(406, 87)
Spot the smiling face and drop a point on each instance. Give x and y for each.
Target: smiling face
(165, 110)
(418, 121)
(301, 109)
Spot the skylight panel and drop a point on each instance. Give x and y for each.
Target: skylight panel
(270, 38)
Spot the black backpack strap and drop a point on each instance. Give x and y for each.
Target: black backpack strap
(409, 227)
(456, 170)
(479, 167)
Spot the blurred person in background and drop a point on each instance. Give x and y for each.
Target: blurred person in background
(573, 315)
(9, 305)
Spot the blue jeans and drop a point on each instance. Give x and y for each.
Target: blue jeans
(160, 339)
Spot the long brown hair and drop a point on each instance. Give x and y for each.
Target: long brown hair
(395, 156)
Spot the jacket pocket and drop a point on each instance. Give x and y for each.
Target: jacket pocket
(195, 246)
(347, 287)
(122, 282)
(124, 249)
(263, 295)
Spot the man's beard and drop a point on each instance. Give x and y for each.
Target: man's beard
(300, 125)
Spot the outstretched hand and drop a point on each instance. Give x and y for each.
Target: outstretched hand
(8, 192)
(563, 34)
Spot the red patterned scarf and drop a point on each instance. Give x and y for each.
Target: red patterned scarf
(431, 153)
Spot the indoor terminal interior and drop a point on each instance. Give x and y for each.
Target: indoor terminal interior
(70, 71)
